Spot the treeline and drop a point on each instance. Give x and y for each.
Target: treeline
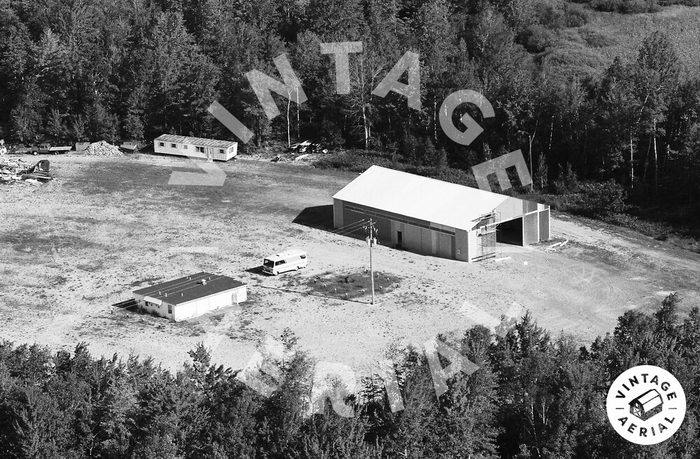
(533, 396)
(637, 6)
(133, 69)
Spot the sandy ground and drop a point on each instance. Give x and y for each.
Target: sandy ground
(71, 249)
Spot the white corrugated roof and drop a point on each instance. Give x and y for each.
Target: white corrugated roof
(420, 197)
(198, 141)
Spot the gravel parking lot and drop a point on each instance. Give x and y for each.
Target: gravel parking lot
(72, 248)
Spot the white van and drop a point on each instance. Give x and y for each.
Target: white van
(286, 261)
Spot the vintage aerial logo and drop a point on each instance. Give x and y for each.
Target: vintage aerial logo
(646, 405)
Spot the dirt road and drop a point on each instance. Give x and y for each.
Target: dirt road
(106, 226)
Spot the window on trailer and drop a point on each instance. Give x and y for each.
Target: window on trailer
(173, 145)
(200, 149)
(161, 144)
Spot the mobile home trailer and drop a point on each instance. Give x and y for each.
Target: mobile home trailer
(195, 147)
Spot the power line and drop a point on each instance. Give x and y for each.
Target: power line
(371, 241)
(342, 228)
(369, 226)
(350, 231)
(352, 228)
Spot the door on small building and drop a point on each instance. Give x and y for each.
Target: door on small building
(399, 240)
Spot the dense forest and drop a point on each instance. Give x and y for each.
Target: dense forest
(533, 396)
(625, 131)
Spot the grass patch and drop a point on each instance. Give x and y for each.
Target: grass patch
(28, 240)
(629, 30)
(345, 286)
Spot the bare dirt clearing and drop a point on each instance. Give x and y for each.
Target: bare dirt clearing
(72, 248)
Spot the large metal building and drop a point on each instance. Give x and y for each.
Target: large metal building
(438, 218)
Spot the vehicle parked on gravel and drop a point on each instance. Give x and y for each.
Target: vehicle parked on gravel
(39, 149)
(56, 150)
(22, 149)
(290, 260)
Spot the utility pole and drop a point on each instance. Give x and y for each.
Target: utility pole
(371, 241)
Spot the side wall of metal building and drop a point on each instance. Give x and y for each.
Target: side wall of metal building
(431, 239)
(418, 236)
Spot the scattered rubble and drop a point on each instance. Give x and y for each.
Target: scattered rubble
(132, 146)
(80, 147)
(103, 148)
(301, 151)
(308, 147)
(15, 170)
(556, 246)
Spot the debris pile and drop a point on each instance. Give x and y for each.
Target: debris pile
(80, 147)
(132, 146)
(16, 170)
(103, 148)
(307, 147)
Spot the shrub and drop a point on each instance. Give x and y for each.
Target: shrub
(596, 39)
(566, 182)
(535, 38)
(592, 199)
(575, 15)
(626, 6)
(602, 197)
(354, 160)
(551, 16)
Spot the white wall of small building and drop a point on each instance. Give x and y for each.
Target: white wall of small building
(194, 308)
(194, 150)
(153, 306)
(201, 306)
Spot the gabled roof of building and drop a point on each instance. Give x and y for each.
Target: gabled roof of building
(421, 197)
(189, 288)
(197, 141)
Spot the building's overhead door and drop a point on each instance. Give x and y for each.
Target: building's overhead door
(511, 232)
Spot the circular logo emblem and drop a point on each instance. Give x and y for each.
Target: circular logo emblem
(646, 405)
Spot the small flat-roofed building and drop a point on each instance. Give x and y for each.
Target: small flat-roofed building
(191, 296)
(438, 218)
(195, 147)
